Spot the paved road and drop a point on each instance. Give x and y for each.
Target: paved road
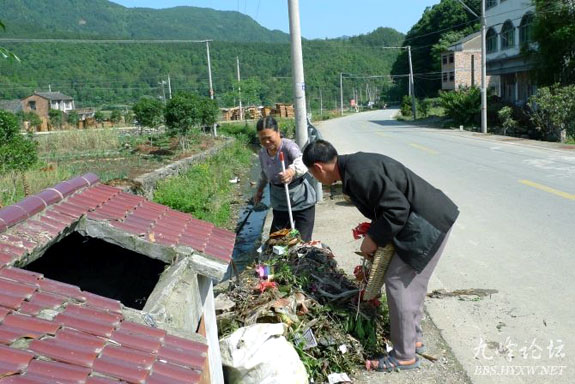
(514, 235)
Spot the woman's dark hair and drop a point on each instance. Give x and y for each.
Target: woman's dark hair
(267, 123)
(319, 151)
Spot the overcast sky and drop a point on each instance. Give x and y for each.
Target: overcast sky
(319, 18)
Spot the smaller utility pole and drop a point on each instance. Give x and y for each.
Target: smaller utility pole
(162, 83)
(214, 128)
(341, 92)
(411, 87)
(239, 88)
(320, 103)
(169, 87)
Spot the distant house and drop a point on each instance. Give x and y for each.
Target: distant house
(13, 106)
(461, 64)
(509, 29)
(42, 102)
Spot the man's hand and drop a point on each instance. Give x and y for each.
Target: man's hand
(287, 176)
(368, 246)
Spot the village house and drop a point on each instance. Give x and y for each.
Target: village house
(101, 286)
(509, 32)
(461, 65)
(42, 102)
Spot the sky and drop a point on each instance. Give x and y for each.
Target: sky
(319, 18)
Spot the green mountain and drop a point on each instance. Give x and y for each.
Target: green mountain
(105, 73)
(103, 19)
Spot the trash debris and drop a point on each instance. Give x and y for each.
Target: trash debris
(328, 324)
(260, 354)
(336, 378)
(235, 180)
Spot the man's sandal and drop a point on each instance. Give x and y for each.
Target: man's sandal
(421, 350)
(389, 363)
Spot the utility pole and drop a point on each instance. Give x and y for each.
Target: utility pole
(411, 87)
(214, 128)
(239, 88)
(320, 103)
(483, 63)
(341, 92)
(298, 74)
(162, 83)
(483, 70)
(169, 87)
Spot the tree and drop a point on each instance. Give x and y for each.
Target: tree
(186, 112)
(3, 51)
(56, 118)
(116, 116)
(148, 112)
(99, 117)
(435, 30)
(17, 152)
(553, 111)
(73, 118)
(31, 117)
(554, 33)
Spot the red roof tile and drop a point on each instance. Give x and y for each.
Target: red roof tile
(120, 369)
(58, 371)
(61, 351)
(13, 360)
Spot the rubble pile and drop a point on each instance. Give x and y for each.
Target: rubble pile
(299, 285)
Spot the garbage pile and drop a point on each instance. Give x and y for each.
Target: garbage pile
(299, 284)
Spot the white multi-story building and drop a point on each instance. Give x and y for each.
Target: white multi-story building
(509, 32)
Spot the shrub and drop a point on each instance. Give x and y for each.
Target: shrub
(462, 106)
(552, 110)
(17, 152)
(506, 118)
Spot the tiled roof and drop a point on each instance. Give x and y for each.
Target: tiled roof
(37, 220)
(51, 332)
(53, 95)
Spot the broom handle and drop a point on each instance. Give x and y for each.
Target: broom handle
(287, 192)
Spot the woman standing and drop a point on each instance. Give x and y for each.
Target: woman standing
(301, 192)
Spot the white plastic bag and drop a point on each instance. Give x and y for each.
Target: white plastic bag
(260, 354)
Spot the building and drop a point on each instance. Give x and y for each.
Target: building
(509, 31)
(42, 102)
(461, 65)
(101, 286)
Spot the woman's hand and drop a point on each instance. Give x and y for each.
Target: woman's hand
(368, 246)
(287, 176)
(257, 196)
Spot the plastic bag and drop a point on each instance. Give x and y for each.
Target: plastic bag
(260, 354)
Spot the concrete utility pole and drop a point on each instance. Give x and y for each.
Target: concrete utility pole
(411, 87)
(215, 127)
(320, 103)
(483, 70)
(341, 92)
(169, 87)
(483, 63)
(239, 88)
(163, 83)
(298, 74)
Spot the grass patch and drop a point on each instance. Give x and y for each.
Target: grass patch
(110, 153)
(204, 191)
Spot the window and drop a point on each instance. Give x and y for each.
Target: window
(444, 59)
(490, 4)
(507, 35)
(451, 59)
(445, 77)
(526, 29)
(451, 76)
(32, 105)
(491, 40)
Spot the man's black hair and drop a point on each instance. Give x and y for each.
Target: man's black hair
(267, 123)
(319, 151)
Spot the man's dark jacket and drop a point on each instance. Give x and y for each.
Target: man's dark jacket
(404, 208)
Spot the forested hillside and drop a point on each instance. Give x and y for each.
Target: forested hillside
(102, 19)
(106, 73)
